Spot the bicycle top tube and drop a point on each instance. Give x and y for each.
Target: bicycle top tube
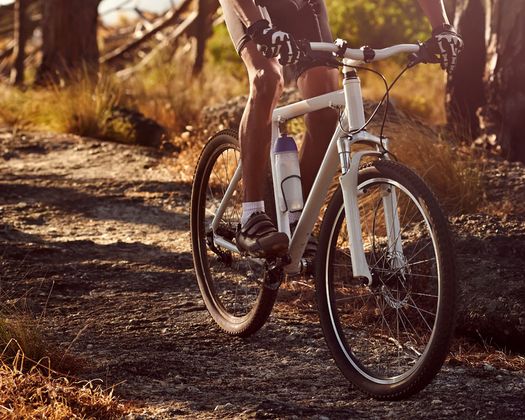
(359, 54)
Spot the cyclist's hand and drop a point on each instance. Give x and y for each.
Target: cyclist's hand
(448, 45)
(272, 42)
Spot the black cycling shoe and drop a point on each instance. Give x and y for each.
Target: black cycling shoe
(259, 238)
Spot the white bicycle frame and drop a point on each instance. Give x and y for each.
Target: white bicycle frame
(339, 151)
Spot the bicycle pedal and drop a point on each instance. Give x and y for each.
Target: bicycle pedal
(274, 277)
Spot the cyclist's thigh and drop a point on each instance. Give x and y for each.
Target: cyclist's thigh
(235, 27)
(306, 25)
(252, 58)
(315, 81)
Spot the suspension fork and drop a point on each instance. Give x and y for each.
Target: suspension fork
(348, 181)
(350, 170)
(393, 228)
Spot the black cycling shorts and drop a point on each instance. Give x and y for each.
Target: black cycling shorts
(301, 24)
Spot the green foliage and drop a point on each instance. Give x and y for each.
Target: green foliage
(377, 23)
(220, 50)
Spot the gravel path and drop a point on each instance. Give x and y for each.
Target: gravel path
(98, 234)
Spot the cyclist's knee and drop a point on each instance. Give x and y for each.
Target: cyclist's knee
(267, 83)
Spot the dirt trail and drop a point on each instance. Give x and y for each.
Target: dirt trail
(98, 232)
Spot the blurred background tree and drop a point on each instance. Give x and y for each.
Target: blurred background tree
(487, 92)
(20, 34)
(69, 32)
(485, 96)
(377, 23)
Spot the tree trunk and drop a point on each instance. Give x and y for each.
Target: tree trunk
(487, 93)
(20, 36)
(465, 88)
(503, 115)
(69, 30)
(204, 27)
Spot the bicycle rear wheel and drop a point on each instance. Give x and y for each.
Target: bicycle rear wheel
(234, 288)
(389, 338)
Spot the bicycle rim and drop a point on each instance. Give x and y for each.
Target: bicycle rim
(387, 333)
(231, 285)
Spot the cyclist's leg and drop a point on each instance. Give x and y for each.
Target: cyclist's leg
(266, 85)
(258, 236)
(314, 78)
(320, 125)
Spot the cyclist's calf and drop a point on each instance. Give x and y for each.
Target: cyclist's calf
(324, 119)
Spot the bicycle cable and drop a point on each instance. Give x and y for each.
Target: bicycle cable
(386, 96)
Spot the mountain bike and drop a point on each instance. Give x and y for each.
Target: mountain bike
(384, 271)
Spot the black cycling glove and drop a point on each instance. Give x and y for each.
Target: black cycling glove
(448, 44)
(272, 42)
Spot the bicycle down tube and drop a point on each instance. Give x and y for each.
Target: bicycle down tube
(351, 98)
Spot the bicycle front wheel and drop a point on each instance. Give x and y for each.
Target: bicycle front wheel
(233, 287)
(390, 337)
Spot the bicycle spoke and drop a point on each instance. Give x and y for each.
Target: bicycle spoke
(345, 299)
(391, 322)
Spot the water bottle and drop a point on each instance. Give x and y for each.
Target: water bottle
(290, 192)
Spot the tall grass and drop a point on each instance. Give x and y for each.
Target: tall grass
(30, 383)
(19, 334)
(167, 90)
(420, 91)
(449, 168)
(82, 107)
(37, 394)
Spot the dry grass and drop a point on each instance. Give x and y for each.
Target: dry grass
(167, 91)
(420, 91)
(441, 158)
(30, 383)
(30, 386)
(479, 353)
(37, 394)
(19, 333)
(450, 170)
(81, 108)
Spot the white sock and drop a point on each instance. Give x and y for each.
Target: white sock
(249, 208)
(294, 216)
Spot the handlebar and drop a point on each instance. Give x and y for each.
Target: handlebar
(359, 54)
(419, 53)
